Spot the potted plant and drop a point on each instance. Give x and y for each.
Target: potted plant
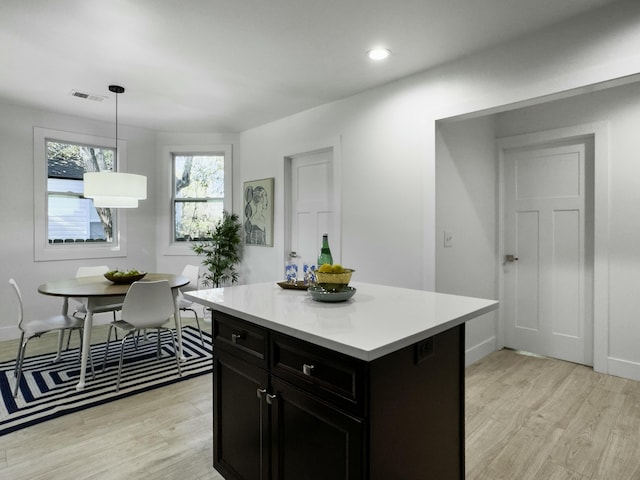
(222, 251)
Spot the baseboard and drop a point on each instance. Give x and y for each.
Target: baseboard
(479, 351)
(624, 368)
(9, 333)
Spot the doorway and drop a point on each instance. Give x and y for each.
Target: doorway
(595, 274)
(548, 240)
(313, 204)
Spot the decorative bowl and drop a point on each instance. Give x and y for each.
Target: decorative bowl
(334, 281)
(319, 294)
(117, 276)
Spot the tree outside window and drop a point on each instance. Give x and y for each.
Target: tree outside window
(198, 195)
(71, 218)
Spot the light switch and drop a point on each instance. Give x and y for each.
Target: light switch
(448, 239)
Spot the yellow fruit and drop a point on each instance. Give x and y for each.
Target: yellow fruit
(337, 268)
(325, 268)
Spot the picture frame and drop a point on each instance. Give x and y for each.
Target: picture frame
(258, 212)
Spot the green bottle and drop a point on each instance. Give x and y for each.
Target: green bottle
(325, 252)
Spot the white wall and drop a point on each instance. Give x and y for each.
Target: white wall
(17, 209)
(383, 176)
(389, 136)
(466, 208)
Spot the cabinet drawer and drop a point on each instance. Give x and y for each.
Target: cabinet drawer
(240, 338)
(329, 375)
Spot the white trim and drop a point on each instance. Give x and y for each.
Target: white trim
(479, 351)
(166, 245)
(624, 368)
(43, 251)
(600, 132)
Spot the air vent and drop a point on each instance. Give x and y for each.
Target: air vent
(87, 96)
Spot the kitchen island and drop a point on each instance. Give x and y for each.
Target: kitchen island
(371, 388)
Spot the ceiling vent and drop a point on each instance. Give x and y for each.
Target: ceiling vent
(87, 96)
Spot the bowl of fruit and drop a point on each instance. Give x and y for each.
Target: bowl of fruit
(124, 276)
(333, 277)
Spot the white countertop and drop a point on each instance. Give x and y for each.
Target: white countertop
(376, 321)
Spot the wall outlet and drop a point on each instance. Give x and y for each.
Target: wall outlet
(448, 239)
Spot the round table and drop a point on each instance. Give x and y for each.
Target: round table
(100, 291)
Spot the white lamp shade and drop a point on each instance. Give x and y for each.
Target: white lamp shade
(115, 189)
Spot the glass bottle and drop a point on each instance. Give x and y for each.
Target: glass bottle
(325, 252)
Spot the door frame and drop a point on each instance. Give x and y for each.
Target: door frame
(600, 133)
(335, 146)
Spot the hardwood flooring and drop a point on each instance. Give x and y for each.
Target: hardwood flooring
(527, 418)
(538, 418)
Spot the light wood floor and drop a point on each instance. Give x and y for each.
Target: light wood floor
(527, 418)
(536, 418)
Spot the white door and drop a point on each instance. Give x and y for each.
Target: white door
(312, 205)
(547, 267)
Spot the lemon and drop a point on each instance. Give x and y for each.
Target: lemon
(325, 268)
(337, 268)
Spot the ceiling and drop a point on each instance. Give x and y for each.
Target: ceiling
(229, 65)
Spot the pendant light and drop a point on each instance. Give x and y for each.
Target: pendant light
(115, 189)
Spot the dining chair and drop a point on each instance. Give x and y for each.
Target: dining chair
(82, 308)
(147, 305)
(89, 272)
(192, 272)
(37, 327)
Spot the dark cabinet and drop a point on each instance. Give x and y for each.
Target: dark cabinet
(240, 418)
(286, 409)
(311, 439)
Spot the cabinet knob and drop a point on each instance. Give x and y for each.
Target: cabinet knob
(270, 398)
(260, 392)
(235, 337)
(307, 369)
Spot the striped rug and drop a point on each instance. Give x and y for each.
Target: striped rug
(47, 390)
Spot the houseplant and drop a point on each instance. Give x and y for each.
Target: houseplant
(221, 251)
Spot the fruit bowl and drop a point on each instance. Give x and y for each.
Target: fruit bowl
(117, 276)
(334, 281)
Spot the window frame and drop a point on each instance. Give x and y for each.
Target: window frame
(43, 250)
(168, 245)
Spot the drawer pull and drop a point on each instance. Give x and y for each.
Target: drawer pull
(236, 336)
(307, 369)
(260, 392)
(270, 398)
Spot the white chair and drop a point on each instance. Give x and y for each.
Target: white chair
(38, 327)
(147, 305)
(192, 272)
(89, 272)
(82, 307)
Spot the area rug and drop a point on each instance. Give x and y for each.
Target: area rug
(47, 390)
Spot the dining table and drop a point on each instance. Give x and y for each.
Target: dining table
(100, 292)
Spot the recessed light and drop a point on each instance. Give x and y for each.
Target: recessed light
(378, 53)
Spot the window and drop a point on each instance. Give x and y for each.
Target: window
(71, 218)
(197, 189)
(198, 195)
(67, 225)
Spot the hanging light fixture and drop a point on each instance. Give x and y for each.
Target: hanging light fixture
(115, 189)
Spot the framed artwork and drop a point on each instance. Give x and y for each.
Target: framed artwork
(258, 212)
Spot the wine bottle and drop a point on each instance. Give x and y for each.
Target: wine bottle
(325, 252)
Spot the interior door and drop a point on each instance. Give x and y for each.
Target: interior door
(312, 205)
(548, 241)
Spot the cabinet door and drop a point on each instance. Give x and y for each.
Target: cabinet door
(312, 440)
(240, 419)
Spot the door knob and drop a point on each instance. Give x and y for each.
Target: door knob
(511, 258)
